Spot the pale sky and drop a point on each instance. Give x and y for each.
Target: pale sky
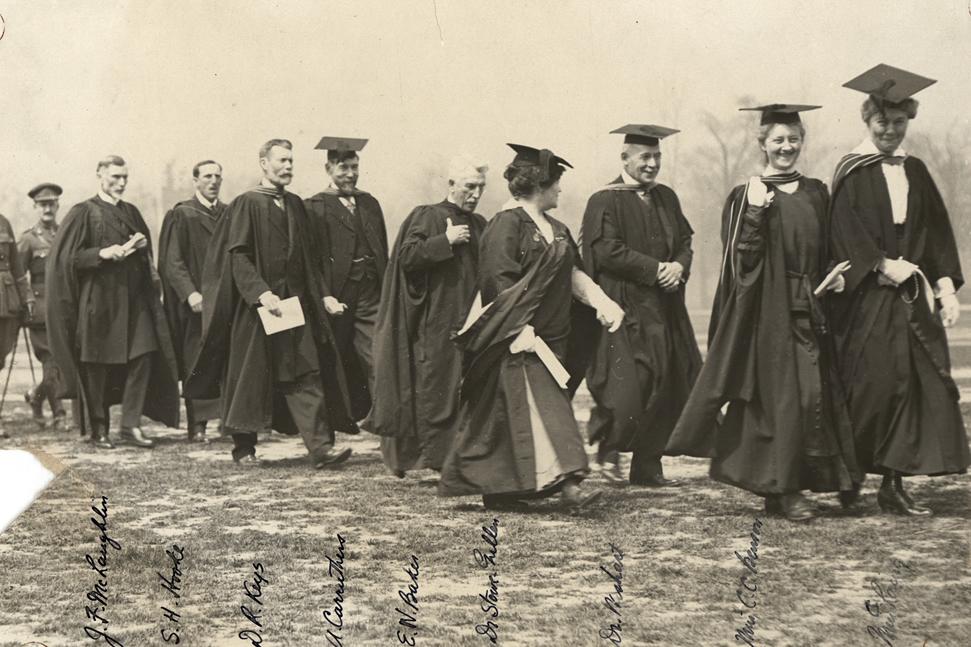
(176, 80)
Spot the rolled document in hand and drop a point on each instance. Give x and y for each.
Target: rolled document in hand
(291, 316)
(831, 277)
(129, 246)
(559, 373)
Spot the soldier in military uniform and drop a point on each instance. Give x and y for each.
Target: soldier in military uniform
(15, 295)
(34, 246)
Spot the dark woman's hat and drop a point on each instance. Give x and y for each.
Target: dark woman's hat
(545, 159)
(48, 186)
(781, 113)
(889, 84)
(643, 134)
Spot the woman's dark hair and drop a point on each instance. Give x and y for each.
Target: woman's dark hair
(871, 108)
(524, 180)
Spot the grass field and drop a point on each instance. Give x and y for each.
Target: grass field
(680, 574)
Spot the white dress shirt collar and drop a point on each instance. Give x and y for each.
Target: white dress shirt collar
(206, 203)
(107, 198)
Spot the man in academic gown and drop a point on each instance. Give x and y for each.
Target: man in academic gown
(183, 246)
(637, 246)
(354, 244)
(34, 247)
(427, 293)
(261, 253)
(104, 318)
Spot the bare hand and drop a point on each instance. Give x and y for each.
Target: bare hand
(757, 194)
(456, 234)
(333, 306)
(271, 302)
(525, 341)
(195, 302)
(669, 276)
(838, 285)
(950, 310)
(141, 242)
(113, 253)
(611, 315)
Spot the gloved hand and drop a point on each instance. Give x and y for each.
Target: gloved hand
(950, 310)
(333, 306)
(897, 271)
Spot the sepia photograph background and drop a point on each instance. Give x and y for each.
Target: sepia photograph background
(166, 84)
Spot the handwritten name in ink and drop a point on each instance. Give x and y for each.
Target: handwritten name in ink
(254, 591)
(887, 602)
(172, 585)
(336, 570)
(612, 633)
(747, 633)
(489, 602)
(98, 595)
(411, 601)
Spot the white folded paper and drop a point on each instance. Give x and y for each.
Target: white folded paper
(292, 316)
(831, 277)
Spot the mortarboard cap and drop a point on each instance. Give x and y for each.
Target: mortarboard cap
(529, 156)
(643, 134)
(340, 144)
(45, 187)
(781, 113)
(889, 84)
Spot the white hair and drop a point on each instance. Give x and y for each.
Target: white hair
(463, 166)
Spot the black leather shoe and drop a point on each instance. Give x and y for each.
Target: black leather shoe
(351, 429)
(656, 480)
(250, 460)
(333, 458)
(796, 507)
(773, 506)
(60, 418)
(135, 437)
(197, 433)
(919, 511)
(503, 502)
(100, 439)
(852, 500)
(891, 502)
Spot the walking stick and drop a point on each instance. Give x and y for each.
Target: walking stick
(13, 357)
(33, 377)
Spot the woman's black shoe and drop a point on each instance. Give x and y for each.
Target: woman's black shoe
(920, 511)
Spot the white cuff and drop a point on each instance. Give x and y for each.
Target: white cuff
(944, 287)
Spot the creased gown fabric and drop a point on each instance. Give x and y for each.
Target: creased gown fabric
(786, 428)
(641, 374)
(526, 281)
(428, 290)
(235, 361)
(893, 350)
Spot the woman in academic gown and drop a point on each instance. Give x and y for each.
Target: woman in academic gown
(770, 360)
(518, 438)
(888, 219)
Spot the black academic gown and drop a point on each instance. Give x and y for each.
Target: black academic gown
(235, 358)
(526, 281)
(893, 349)
(770, 358)
(108, 311)
(641, 374)
(427, 293)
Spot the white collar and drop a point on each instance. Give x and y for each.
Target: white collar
(205, 202)
(265, 182)
(348, 198)
(867, 147)
(107, 198)
(628, 179)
